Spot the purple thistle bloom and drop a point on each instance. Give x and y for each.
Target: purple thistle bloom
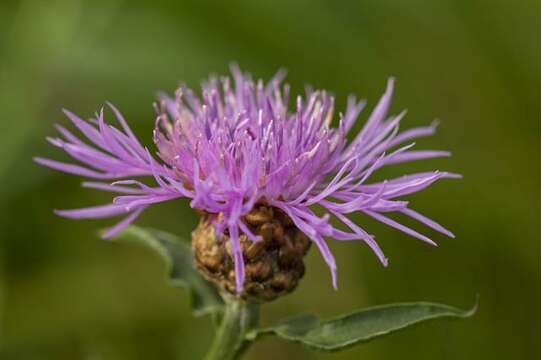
(238, 145)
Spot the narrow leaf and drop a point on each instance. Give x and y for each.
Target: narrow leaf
(176, 255)
(361, 326)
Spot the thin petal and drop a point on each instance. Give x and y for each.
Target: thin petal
(72, 169)
(428, 222)
(109, 233)
(93, 212)
(398, 226)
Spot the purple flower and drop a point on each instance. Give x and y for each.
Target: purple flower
(238, 145)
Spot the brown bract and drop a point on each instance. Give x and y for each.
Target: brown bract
(273, 266)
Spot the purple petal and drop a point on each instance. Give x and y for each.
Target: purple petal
(109, 233)
(71, 168)
(398, 226)
(110, 187)
(93, 212)
(237, 257)
(428, 222)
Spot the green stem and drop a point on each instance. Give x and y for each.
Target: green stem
(230, 340)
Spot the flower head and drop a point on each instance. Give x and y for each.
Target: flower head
(238, 146)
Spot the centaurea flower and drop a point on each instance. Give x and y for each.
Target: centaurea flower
(238, 149)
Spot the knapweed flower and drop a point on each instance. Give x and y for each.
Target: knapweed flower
(255, 166)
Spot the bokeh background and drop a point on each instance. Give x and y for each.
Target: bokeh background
(474, 64)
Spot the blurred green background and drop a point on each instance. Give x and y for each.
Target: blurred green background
(474, 64)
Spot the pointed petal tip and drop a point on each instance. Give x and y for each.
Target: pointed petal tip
(334, 278)
(390, 84)
(55, 141)
(112, 107)
(452, 175)
(110, 233)
(43, 161)
(235, 68)
(446, 232)
(68, 113)
(65, 213)
(59, 212)
(402, 114)
(104, 235)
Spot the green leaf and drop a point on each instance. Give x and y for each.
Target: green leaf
(361, 326)
(176, 255)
